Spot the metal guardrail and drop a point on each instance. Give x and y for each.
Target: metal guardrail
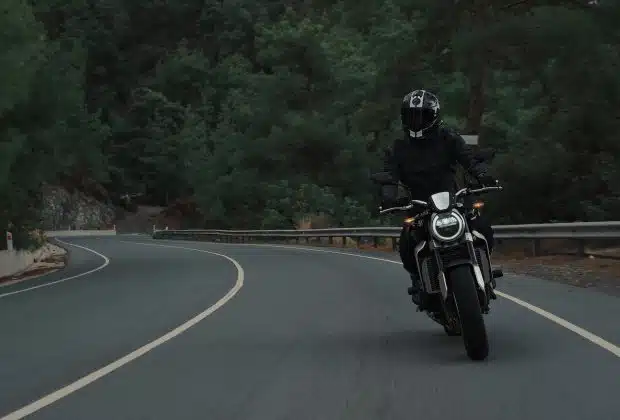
(580, 232)
(75, 233)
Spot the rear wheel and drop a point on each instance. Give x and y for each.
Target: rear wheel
(470, 316)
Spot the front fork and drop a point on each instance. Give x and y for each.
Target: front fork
(483, 292)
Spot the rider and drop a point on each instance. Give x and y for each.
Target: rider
(424, 160)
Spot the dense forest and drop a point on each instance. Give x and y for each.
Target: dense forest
(263, 112)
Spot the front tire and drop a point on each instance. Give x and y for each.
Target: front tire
(452, 332)
(470, 316)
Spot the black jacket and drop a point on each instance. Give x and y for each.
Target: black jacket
(428, 165)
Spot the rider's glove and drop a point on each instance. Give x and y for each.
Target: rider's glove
(389, 194)
(487, 180)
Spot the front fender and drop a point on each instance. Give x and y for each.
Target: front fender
(464, 261)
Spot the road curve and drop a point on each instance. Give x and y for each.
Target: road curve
(310, 335)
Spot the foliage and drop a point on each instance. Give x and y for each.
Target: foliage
(266, 112)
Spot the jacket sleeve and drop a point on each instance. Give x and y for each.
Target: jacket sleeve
(389, 192)
(466, 156)
(390, 162)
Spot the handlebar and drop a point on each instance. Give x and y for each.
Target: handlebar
(468, 191)
(461, 192)
(411, 205)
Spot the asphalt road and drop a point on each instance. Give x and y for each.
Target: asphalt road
(308, 335)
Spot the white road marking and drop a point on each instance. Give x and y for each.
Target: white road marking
(106, 261)
(593, 338)
(100, 373)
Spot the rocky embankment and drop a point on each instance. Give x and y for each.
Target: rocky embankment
(63, 210)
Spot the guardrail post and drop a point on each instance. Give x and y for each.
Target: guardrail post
(375, 242)
(535, 247)
(330, 240)
(9, 241)
(581, 248)
(344, 241)
(394, 244)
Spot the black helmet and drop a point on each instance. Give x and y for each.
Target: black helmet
(419, 112)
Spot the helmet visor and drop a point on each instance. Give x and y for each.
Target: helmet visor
(418, 119)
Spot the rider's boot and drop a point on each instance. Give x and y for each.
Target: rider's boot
(415, 290)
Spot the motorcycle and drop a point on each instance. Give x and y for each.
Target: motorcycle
(454, 264)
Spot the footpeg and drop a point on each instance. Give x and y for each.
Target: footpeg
(410, 290)
(497, 273)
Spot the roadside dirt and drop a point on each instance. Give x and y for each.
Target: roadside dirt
(602, 274)
(55, 259)
(599, 273)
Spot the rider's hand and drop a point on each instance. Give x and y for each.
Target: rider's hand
(488, 180)
(389, 193)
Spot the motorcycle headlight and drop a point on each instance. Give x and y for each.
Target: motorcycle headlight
(447, 226)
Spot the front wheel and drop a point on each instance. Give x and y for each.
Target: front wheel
(452, 332)
(470, 316)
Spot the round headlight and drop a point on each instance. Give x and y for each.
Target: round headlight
(447, 226)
